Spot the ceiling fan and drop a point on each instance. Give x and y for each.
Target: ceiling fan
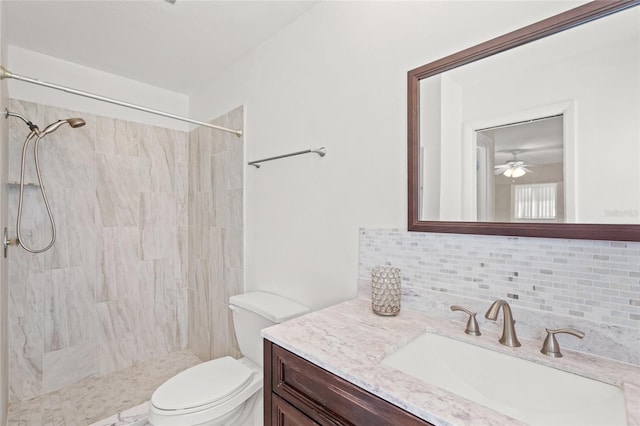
(514, 168)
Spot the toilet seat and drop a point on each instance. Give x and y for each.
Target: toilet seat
(205, 391)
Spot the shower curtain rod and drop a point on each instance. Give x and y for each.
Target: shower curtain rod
(4, 73)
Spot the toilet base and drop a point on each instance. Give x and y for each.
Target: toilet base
(250, 414)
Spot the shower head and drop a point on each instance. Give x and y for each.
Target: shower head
(8, 114)
(76, 122)
(73, 122)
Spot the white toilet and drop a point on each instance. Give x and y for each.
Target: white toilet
(225, 391)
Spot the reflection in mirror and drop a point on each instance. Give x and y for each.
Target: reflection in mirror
(547, 132)
(520, 173)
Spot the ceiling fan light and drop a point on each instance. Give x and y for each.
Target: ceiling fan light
(514, 172)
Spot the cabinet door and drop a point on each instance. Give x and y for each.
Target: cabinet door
(324, 397)
(285, 414)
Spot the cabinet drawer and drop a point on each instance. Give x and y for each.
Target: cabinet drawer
(285, 414)
(329, 399)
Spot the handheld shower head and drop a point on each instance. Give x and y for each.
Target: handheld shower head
(76, 122)
(73, 122)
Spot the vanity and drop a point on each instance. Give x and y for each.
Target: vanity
(327, 368)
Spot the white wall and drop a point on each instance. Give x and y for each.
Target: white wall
(336, 77)
(53, 70)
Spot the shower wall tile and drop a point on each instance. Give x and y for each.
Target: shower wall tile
(217, 261)
(182, 265)
(116, 338)
(215, 236)
(67, 157)
(199, 310)
(232, 247)
(158, 242)
(157, 208)
(36, 228)
(198, 327)
(74, 214)
(119, 137)
(221, 328)
(25, 356)
(182, 317)
(58, 256)
(181, 140)
(224, 341)
(118, 189)
(112, 290)
(200, 279)
(182, 193)
(80, 230)
(119, 265)
(160, 151)
(106, 128)
(199, 224)
(232, 163)
(67, 366)
(200, 154)
(25, 291)
(227, 212)
(70, 315)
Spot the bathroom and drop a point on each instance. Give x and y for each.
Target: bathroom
(149, 250)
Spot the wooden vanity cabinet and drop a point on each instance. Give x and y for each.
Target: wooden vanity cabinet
(299, 393)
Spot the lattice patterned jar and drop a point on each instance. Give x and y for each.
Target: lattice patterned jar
(385, 290)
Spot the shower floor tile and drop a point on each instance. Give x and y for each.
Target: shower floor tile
(96, 399)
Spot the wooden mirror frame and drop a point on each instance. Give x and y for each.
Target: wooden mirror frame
(555, 24)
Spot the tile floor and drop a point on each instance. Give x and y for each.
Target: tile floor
(136, 416)
(96, 399)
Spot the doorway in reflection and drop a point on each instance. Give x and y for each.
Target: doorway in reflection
(520, 171)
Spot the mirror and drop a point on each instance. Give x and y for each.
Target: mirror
(534, 133)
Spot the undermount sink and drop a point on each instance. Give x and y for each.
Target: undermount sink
(530, 392)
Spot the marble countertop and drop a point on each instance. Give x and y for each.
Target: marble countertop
(349, 340)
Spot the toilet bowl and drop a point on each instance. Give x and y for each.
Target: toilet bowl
(225, 391)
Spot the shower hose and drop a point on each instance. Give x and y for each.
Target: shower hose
(44, 195)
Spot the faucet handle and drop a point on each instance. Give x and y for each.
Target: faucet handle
(550, 347)
(472, 328)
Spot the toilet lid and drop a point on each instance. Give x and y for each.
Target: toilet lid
(208, 383)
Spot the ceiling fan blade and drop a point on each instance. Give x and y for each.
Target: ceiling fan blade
(525, 169)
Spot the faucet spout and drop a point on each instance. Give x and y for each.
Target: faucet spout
(509, 337)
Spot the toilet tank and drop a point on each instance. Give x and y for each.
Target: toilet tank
(257, 310)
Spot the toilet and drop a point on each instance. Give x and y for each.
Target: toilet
(225, 391)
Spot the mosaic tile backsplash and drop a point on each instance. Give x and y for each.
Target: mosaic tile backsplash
(590, 285)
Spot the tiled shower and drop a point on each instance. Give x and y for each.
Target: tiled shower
(149, 247)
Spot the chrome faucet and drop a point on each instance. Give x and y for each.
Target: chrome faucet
(509, 337)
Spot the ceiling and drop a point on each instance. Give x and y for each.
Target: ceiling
(537, 142)
(179, 47)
